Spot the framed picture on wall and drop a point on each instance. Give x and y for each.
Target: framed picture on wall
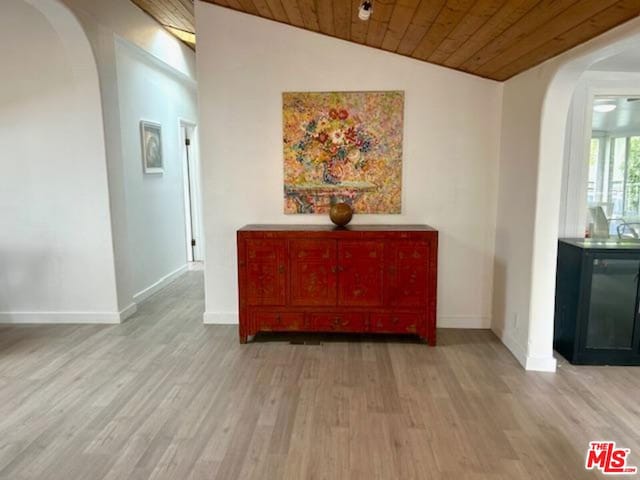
(343, 147)
(151, 139)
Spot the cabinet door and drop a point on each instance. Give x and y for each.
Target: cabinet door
(611, 320)
(360, 272)
(408, 273)
(266, 272)
(313, 272)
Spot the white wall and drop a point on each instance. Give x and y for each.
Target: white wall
(54, 210)
(451, 139)
(516, 200)
(124, 19)
(573, 208)
(105, 23)
(535, 110)
(155, 203)
(84, 234)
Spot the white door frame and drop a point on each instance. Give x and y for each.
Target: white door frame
(192, 190)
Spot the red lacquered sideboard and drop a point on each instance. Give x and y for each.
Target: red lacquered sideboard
(316, 278)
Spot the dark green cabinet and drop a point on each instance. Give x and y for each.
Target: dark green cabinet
(597, 302)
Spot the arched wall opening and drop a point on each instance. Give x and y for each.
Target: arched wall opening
(56, 251)
(525, 313)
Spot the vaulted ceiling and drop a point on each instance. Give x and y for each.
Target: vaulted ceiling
(177, 16)
(490, 38)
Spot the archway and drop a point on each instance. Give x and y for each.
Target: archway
(564, 74)
(58, 259)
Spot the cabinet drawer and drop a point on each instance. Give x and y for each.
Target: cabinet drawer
(338, 322)
(279, 321)
(396, 322)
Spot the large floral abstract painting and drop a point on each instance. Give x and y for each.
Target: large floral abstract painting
(343, 146)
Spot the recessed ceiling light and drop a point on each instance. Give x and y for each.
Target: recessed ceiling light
(366, 8)
(605, 108)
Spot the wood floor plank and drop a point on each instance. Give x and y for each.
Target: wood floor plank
(163, 396)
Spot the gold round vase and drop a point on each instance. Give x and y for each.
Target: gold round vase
(341, 213)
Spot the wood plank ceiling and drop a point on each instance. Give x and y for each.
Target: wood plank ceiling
(491, 38)
(177, 16)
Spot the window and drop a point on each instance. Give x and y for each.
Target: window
(619, 159)
(632, 178)
(594, 195)
(614, 176)
(613, 189)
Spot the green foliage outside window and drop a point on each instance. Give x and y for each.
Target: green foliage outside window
(633, 176)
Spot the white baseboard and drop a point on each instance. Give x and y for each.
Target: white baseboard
(60, 317)
(518, 350)
(219, 318)
(128, 312)
(108, 318)
(529, 362)
(463, 321)
(160, 284)
(541, 364)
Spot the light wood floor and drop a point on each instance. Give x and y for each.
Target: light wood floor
(165, 397)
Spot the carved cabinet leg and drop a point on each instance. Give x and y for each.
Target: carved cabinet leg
(430, 337)
(243, 339)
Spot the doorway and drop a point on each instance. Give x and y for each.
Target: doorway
(192, 193)
(613, 182)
